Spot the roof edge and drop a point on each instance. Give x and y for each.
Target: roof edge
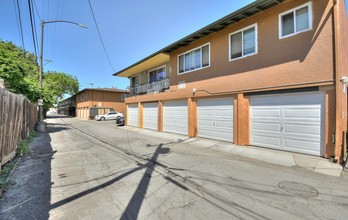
(222, 20)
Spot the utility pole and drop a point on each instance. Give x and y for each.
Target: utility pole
(41, 126)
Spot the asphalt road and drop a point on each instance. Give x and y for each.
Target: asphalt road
(96, 170)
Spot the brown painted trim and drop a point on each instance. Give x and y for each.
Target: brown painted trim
(140, 115)
(240, 118)
(192, 117)
(287, 86)
(160, 116)
(337, 69)
(127, 113)
(235, 121)
(246, 125)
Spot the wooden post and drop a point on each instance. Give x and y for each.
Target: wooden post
(160, 116)
(2, 83)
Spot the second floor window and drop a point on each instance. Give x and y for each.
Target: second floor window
(195, 59)
(295, 21)
(157, 74)
(135, 80)
(243, 43)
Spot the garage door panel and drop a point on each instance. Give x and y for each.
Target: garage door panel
(175, 117)
(266, 141)
(182, 114)
(266, 126)
(311, 147)
(224, 112)
(206, 112)
(180, 121)
(222, 125)
(205, 123)
(133, 115)
(298, 128)
(150, 115)
(266, 112)
(265, 101)
(303, 113)
(302, 129)
(224, 135)
(217, 102)
(206, 133)
(303, 99)
(215, 118)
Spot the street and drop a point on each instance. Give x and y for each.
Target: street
(97, 170)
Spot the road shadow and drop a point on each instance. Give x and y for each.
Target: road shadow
(134, 205)
(30, 197)
(138, 196)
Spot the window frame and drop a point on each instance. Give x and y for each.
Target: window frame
(242, 31)
(160, 67)
(137, 75)
(293, 10)
(189, 51)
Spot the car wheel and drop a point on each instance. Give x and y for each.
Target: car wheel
(102, 119)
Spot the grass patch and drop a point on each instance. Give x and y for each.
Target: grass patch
(23, 146)
(32, 135)
(5, 172)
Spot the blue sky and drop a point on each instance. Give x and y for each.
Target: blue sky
(131, 30)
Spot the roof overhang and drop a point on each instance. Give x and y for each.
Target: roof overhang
(160, 56)
(145, 64)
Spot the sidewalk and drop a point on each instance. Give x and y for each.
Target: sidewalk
(283, 158)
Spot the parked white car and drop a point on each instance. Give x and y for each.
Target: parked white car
(108, 116)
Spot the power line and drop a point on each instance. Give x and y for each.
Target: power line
(56, 32)
(20, 25)
(101, 40)
(32, 27)
(37, 12)
(35, 30)
(15, 9)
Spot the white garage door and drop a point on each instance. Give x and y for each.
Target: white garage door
(150, 115)
(292, 122)
(133, 115)
(175, 117)
(215, 118)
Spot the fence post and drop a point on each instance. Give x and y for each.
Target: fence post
(2, 83)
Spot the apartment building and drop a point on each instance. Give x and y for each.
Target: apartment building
(272, 74)
(90, 102)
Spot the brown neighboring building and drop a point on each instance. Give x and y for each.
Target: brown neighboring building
(67, 106)
(272, 74)
(90, 102)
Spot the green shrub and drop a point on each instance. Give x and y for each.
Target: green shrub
(4, 173)
(23, 147)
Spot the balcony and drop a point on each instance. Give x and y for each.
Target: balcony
(149, 88)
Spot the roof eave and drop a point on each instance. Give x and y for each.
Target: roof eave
(235, 17)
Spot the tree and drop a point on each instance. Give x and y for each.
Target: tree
(60, 83)
(20, 71)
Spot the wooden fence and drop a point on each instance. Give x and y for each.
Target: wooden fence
(17, 119)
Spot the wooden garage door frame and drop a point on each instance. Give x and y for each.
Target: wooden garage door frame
(150, 123)
(169, 124)
(208, 119)
(317, 96)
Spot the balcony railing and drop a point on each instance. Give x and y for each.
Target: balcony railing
(154, 87)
